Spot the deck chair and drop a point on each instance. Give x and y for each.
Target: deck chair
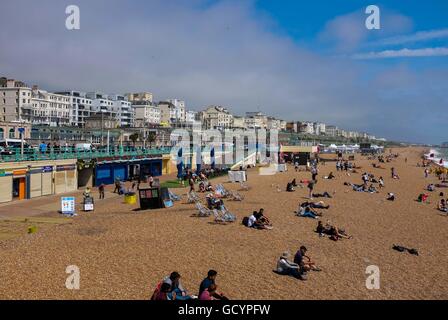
(235, 196)
(227, 215)
(222, 191)
(192, 197)
(203, 211)
(218, 214)
(173, 196)
(244, 187)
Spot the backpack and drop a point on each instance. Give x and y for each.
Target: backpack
(245, 221)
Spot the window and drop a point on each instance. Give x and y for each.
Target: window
(12, 133)
(2, 133)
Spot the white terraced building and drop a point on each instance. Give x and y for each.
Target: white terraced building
(81, 107)
(47, 109)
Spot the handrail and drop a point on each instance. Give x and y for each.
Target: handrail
(34, 154)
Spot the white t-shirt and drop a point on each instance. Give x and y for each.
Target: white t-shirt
(251, 221)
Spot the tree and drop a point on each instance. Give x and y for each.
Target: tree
(134, 137)
(151, 138)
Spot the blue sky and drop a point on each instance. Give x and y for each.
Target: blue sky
(297, 60)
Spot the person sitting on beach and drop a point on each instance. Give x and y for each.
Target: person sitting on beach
(443, 206)
(294, 182)
(390, 196)
(209, 281)
(431, 187)
(208, 293)
(336, 234)
(307, 212)
(289, 187)
(213, 202)
(177, 290)
(422, 197)
(286, 267)
(256, 223)
(261, 217)
(87, 193)
(330, 175)
(202, 186)
(305, 265)
(163, 293)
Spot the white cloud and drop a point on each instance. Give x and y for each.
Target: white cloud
(415, 37)
(348, 32)
(205, 53)
(403, 53)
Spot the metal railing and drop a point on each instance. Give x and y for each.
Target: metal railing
(34, 154)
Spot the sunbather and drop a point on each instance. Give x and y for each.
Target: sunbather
(307, 212)
(317, 205)
(332, 231)
(324, 195)
(330, 176)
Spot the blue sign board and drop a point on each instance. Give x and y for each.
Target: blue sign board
(68, 205)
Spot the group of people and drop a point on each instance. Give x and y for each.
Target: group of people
(297, 268)
(170, 288)
(258, 220)
(344, 165)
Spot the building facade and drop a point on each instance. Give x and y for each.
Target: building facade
(81, 107)
(47, 108)
(216, 117)
(14, 97)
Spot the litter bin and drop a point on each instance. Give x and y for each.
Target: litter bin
(130, 198)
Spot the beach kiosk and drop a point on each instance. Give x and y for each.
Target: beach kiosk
(154, 198)
(150, 198)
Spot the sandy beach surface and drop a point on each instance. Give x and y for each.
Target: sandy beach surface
(123, 253)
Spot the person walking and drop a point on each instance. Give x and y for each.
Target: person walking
(101, 190)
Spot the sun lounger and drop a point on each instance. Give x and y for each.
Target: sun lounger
(223, 215)
(203, 211)
(173, 196)
(244, 187)
(192, 197)
(235, 196)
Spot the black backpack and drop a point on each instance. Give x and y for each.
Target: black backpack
(246, 221)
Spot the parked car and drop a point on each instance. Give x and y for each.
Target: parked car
(11, 146)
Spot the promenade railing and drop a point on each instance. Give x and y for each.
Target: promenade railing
(34, 154)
